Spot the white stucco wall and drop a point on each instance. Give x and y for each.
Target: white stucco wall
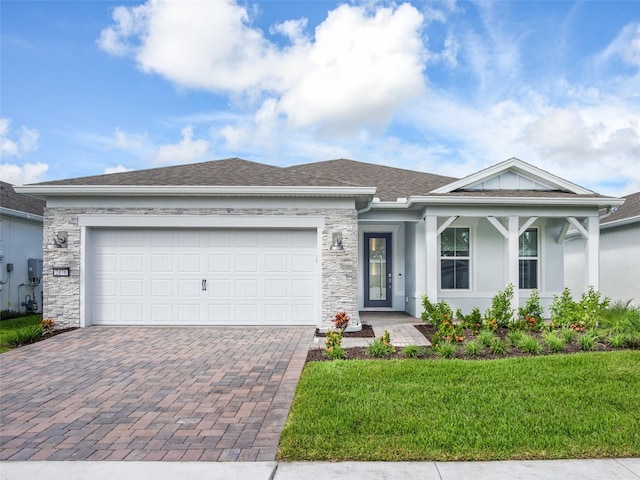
(20, 239)
(619, 263)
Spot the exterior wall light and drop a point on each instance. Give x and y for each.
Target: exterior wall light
(336, 243)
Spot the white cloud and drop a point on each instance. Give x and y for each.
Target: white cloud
(22, 174)
(625, 47)
(11, 145)
(345, 77)
(185, 151)
(129, 141)
(117, 169)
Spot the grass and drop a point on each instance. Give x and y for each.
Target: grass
(16, 327)
(560, 406)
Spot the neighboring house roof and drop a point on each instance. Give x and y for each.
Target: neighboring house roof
(627, 213)
(20, 202)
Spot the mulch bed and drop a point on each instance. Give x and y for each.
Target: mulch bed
(360, 353)
(366, 332)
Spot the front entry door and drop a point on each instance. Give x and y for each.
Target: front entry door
(377, 275)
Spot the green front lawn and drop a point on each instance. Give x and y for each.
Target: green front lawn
(8, 328)
(562, 406)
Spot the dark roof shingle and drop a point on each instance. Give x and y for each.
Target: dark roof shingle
(391, 183)
(19, 201)
(630, 209)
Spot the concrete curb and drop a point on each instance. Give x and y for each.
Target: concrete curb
(595, 469)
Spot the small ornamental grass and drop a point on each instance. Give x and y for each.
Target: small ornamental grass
(516, 337)
(530, 345)
(587, 341)
(24, 336)
(554, 342)
(473, 348)
(497, 346)
(618, 340)
(411, 351)
(381, 347)
(446, 349)
(485, 337)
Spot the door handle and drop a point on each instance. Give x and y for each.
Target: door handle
(204, 284)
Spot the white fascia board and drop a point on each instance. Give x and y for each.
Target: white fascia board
(516, 201)
(9, 212)
(620, 223)
(44, 191)
(516, 165)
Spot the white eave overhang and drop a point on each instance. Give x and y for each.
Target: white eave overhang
(620, 223)
(499, 201)
(20, 214)
(47, 191)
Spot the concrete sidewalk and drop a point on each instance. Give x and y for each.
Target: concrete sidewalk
(598, 469)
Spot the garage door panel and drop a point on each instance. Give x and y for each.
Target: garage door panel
(246, 263)
(276, 287)
(132, 313)
(132, 287)
(219, 288)
(275, 314)
(155, 276)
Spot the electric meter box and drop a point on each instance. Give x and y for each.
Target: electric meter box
(34, 268)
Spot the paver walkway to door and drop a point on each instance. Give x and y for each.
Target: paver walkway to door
(133, 393)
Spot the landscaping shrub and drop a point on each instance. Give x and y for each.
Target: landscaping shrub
(497, 346)
(516, 337)
(446, 349)
(473, 321)
(436, 314)
(485, 337)
(381, 347)
(554, 342)
(532, 313)
(587, 341)
(24, 336)
(530, 345)
(411, 351)
(501, 310)
(582, 315)
(473, 348)
(333, 344)
(621, 317)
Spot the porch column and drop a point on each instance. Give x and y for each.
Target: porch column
(431, 257)
(513, 266)
(593, 253)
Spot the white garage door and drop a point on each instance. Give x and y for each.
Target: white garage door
(204, 277)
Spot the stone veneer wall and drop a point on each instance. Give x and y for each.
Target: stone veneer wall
(339, 269)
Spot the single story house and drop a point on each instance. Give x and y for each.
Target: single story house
(233, 242)
(21, 218)
(619, 253)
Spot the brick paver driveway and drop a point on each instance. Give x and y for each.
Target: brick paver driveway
(186, 393)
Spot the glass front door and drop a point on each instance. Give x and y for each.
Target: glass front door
(377, 275)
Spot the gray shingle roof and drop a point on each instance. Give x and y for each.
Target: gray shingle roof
(630, 209)
(19, 201)
(229, 172)
(391, 183)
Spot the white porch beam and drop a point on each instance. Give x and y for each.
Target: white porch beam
(526, 225)
(563, 233)
(513, 265)
(593, 253)
(431, 257)
(578, 226)
(494, 221)
(446, 224)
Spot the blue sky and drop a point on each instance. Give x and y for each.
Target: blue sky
(447, 87)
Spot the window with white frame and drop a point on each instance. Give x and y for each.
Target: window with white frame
(528, 259)
(455, 258)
